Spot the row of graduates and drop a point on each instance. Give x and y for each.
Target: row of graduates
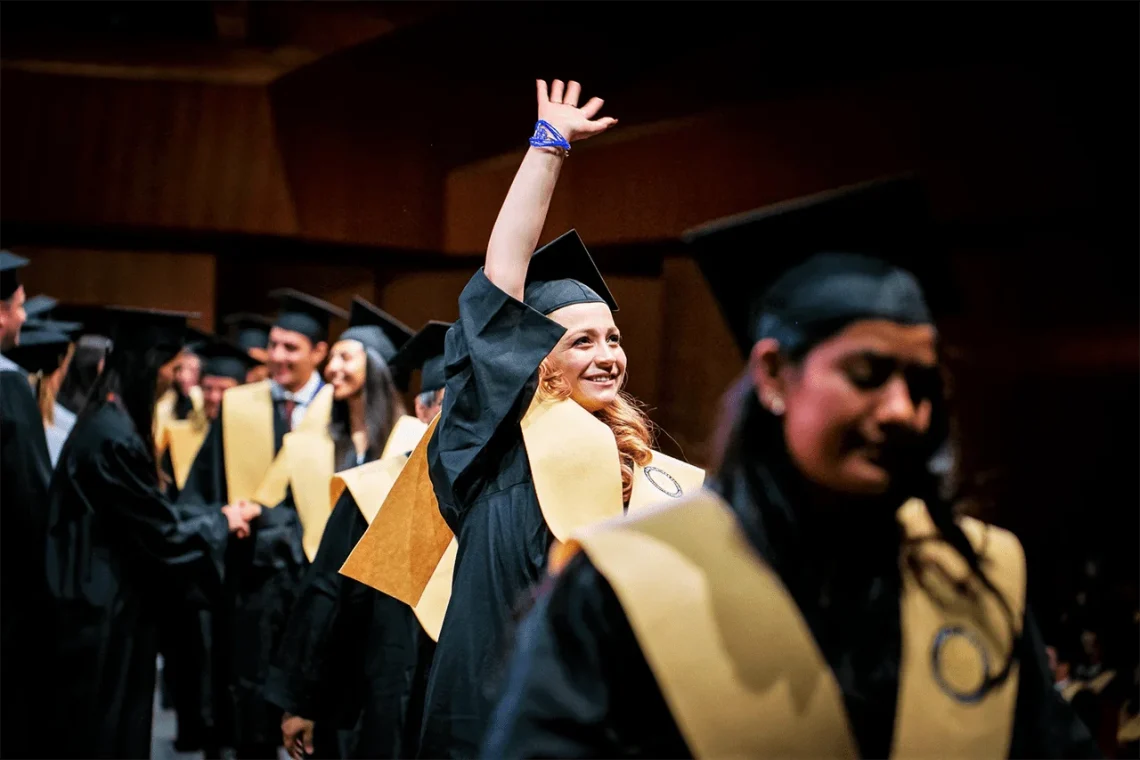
(143, 537)
(816, 596)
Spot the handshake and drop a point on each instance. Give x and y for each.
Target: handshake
(240, 514)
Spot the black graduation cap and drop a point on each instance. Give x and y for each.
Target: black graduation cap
(250, 331)
(225, 358)
(376, 329)
(71, 329)
(93, 320)
(424, 351)
(39, 306)
(305, 314)
(10, 265)
(40, 349)
(562, 273)
(196, 339)
(130, 328)
(819, 262)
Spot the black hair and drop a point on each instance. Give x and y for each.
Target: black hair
(131, 375)
(755, 434)
(382, 407)
(82, 372)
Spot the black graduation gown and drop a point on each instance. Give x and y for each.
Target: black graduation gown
(349, 653)
(579, 685)
(262, 575)
(115, 547)
(482, 480)
(25, 472)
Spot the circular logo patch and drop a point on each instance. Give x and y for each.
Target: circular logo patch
(657, 476)
(960, 663)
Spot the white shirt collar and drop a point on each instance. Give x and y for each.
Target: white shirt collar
(303, 396)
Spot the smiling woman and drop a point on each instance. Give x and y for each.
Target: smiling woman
(535, 438)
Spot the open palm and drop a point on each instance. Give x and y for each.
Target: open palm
(559, 107)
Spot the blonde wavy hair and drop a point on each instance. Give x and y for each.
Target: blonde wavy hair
(631, 428)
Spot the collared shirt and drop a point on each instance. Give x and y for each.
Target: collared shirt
(8, 364)
(301, 398)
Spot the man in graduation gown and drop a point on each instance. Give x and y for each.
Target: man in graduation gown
(187, 632)
(349, 673)
(236, 456)
(115, 546)
(780, 616)
(25, 471)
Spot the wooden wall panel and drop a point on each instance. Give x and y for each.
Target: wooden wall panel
(147, 154)
(990, 145)
(143, 279)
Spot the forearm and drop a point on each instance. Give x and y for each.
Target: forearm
(521, 219)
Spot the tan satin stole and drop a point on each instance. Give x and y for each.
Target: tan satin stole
(741, 672)
(409, 551)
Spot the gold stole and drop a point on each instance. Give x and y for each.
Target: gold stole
(164, 417)
(370, 485)
(409, 551)
(183, 439)
(406, 433)
(739, 668)
(306, 464)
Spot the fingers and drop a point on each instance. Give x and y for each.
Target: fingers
(307, 735)
(573, 92)
(593, 105)
(557, 91)
(596, 127)
(543, 95)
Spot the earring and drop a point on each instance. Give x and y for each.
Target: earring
(776, 405)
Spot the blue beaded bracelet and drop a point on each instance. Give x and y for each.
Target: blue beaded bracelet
(546, 136)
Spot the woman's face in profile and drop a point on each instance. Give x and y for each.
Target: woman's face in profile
(860, 403)
(346, 369)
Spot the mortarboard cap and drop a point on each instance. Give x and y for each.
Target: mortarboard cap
(224, 358)
(10, 265)
(562, 273)
(811, 265)
(376, 329)
(40, 350)
(250, 331)
(71, 329)
(130, 328)
(39, 306)
(424, 351)
(305, 314)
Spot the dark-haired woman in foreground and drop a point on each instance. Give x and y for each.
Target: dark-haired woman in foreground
(821, 600)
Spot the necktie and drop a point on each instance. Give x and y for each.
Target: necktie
(288, 405)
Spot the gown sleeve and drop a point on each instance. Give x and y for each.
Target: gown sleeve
(188, 545)
(491, 356)
(300, 665)
(578, 685)
(1045, 725)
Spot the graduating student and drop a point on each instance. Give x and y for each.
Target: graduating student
(116, 546)
(251, 332)
(187, 633)
(45, 351)
(225, 365)
(534, 439)
(344, 670)
(232, 463)
(25, 471)
(822, 600)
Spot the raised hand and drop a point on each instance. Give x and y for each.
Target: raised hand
(559, 107)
